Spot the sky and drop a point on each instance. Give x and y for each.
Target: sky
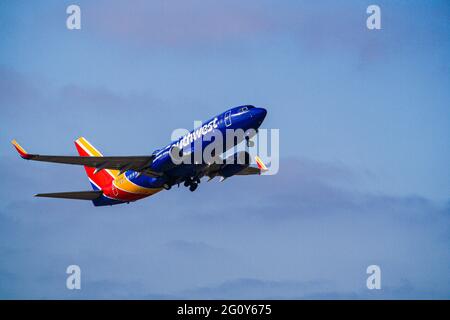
(364, 148)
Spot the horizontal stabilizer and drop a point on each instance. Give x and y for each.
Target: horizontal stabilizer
(80, 195)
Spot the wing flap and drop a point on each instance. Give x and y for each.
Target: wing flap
(79, 195)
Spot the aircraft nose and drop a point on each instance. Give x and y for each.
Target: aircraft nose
(259, 114)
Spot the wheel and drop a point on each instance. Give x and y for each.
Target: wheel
(192, 187)
(187, 182)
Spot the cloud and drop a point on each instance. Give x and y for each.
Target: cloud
(182, 23)
(190, 247)
(249, 288)
(314, 242)
(17, 90)
(24, 95)
(31, 104)
(304, 188)
(309, 231)
(318, 28)
(268, 236)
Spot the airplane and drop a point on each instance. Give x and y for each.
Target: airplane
(124, 179)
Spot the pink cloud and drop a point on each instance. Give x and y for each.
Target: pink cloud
(176, 23)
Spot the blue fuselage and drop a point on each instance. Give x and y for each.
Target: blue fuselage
(242, 117)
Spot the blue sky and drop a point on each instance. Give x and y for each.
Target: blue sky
(364, 142)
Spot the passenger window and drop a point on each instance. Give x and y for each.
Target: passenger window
(228, 118)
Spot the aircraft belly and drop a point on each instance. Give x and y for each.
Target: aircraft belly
(123, 195)
(127, 190)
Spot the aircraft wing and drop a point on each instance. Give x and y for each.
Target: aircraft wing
(248, 171)
(252, 170)
(213, 169)
(121, 163)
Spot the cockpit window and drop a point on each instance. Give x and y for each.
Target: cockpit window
(244, 109)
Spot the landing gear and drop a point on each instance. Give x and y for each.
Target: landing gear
(249, 143)
(193, 186)
(192, 183)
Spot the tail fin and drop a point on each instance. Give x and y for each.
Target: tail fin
(100, 179)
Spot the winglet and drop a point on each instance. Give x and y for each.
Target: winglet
(260, 164)
(20, 150)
